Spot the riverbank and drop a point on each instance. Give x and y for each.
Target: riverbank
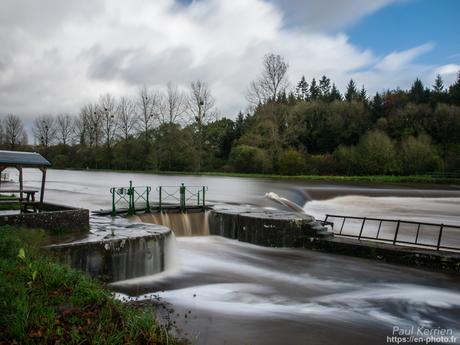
(45, 302)
(376, 179)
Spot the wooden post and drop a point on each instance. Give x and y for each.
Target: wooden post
(42, 190)
(21, 182)
(1, 170)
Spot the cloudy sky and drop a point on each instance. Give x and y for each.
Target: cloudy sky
(56, 55)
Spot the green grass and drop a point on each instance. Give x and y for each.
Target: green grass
(14, 205)
(44, 302)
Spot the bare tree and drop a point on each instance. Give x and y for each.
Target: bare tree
(127, 118)
(65, 128)
(201, 103)
(174, 105)
(271, 83)
(44, 130)
(147, 105)
(14, 132)
(107, 109)
(2, 133)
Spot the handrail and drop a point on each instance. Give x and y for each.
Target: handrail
(397, 230)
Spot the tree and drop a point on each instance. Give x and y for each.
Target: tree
(64, 128)
(418, 155)
(454, 91)
(200, 104)
(363, 95)
(351, 93)
(315, 91)
(44, 130)
(291, 162)
(335, 94)
(301, 91)
(14, 132)
(417, 92)
(377, 107)
(127, 120)
(325, 87)
(271, 83)
(148, 110)
(107, 107)
(249, 159)
(174, 105)
(438, 85)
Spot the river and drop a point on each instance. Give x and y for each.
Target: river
(226, 292)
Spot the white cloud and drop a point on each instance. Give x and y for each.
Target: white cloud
(57, 55)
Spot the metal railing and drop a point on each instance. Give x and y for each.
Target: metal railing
(128, 197)
(397, 232)
(185, 196)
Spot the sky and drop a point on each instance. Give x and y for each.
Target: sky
(57, 55)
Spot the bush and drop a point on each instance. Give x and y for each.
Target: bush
(291, 162)
(418, 155)
(250, 159)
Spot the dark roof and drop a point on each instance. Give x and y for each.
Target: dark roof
(27, 159)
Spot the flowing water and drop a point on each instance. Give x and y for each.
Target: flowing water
(221, 291)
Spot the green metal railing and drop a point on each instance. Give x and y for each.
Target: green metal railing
(130, 196)
(183, 195)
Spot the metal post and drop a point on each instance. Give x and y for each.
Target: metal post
(114, 211)
(396, 232)
(418, 230)
(159, 198)
(362, 227)
(343, 223)
(147, 202)
(440, 235)
(198, 198)
(182, 197)
(131, 209)
(204, 197)
(378, 231)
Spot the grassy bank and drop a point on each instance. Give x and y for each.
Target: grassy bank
(44, 302)
(380, 179)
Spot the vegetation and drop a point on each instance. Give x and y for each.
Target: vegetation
(5, 205)
(313, 129)
(43, 302)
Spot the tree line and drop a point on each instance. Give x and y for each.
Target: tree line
(311, 128)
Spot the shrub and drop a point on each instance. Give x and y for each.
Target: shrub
(250, 159)
(291, 162)
(418, 155)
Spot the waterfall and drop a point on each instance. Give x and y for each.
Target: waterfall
(285, 202)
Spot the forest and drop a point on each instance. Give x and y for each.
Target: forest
(306, 128)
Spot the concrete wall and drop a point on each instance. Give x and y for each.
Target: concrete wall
(53, 217)
(270, 228)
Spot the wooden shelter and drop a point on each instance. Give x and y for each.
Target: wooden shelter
(21, 160)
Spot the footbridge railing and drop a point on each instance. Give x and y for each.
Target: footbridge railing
(183, 195)
(397, 232)
(128, 197)
(134, 198)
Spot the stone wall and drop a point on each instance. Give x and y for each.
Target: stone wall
(53, 217)
(270, 228)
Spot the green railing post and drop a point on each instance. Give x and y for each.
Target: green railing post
(147, 202)
(159, 199)
(114, 211)
(131, 209)
(182, 197)
(198, 198)
(204, 198)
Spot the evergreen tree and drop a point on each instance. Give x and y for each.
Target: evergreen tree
(454, 91)
(325, 87)
(352, 93)
(363, 95)
(377, 107)
(438, 85)
(335, 94)
(301, 91)
(314, 90)
(417, 92)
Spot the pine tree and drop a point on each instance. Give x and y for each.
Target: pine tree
(301, 91)
(438, 85)
(352, 93)
(363, 95)
(314, 90)
(377, 106)
(325, 87)
(417, 92)
(335, 94)
(454, 91)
